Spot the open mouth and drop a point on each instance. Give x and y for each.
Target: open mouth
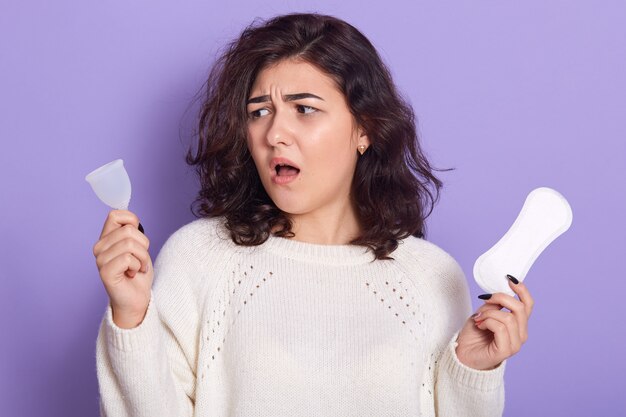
(285, 170)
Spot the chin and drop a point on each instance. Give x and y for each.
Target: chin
(291, 205)
(286, 203)
(290, 209)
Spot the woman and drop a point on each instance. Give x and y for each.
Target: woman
(306, 287)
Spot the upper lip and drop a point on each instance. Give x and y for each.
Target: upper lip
(281, 161)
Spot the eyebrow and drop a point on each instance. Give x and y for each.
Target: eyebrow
(288, 97)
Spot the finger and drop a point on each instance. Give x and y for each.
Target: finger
(501, 346)
(110, 250)
(524, 295)
(115, 270)
(485, 307)
(127, 245)
(124, 232)
(511, 324)
(516, 307)
(117, 219)
(525, 298)
(505, 300)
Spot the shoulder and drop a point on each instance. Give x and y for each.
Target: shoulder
(202, 235)
(424, 256)
(196, 245)
(442, 283)
(431, 267)
(192, 257)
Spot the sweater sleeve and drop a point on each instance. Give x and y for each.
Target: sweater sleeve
(150, 370)
(458, 389)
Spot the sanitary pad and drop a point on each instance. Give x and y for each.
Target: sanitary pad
(545, 215)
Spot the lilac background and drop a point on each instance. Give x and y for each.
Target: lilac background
(515, 96)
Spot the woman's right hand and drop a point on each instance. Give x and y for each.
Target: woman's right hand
(125, 267)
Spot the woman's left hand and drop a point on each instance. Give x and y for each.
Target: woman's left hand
(490, 336)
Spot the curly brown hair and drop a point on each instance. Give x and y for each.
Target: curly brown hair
(393, 190)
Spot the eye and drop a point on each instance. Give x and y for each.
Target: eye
(255, 114)
(305, 109)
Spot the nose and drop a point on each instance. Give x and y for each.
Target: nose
(279, 131)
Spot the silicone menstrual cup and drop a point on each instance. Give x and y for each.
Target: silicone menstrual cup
(111, 184)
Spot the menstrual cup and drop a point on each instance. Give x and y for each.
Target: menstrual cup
(111, 184)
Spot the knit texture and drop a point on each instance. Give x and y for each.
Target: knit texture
(294, 329)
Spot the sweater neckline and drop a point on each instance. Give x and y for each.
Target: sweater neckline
(318, 253)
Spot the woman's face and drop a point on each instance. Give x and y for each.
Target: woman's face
(297, 113)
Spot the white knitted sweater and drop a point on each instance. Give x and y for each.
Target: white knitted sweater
(295, 329)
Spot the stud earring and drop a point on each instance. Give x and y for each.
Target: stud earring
(361, 149)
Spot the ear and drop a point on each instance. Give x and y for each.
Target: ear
(361, 134)
(363, 139)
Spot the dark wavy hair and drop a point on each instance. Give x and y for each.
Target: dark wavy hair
(393, 190)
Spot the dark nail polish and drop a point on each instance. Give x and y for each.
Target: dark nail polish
(513, 279)
(141, 228)
(484, 296)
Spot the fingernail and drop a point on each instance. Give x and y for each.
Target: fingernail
(476, 315)
(484, 296)
(141, 228)
(513, 279)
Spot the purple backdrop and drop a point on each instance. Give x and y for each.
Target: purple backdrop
(514, 96)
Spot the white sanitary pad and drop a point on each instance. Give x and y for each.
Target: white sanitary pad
(545, 216)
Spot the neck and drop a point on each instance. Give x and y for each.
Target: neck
(328, 227)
